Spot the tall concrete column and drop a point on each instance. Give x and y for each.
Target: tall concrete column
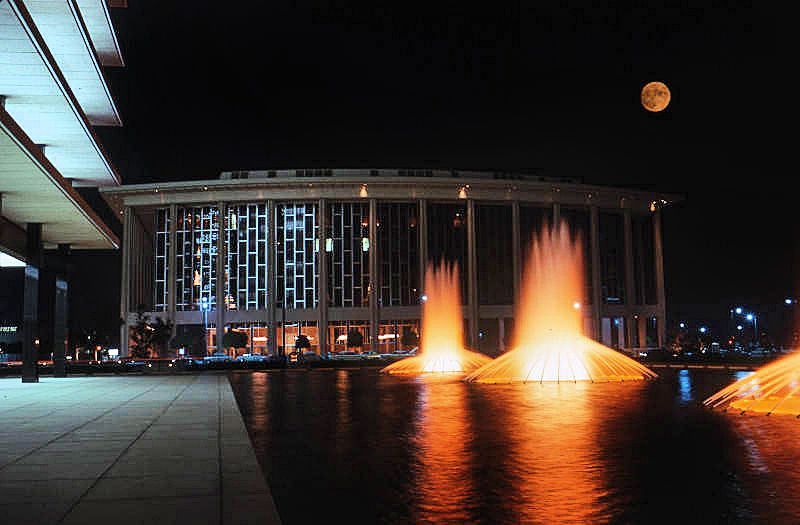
(422, 230)
(594, 249)
(60, 314)
(125, 280)
(630, 293)
(473, 308)
(322, 307)
(30, 304)
(501, 335)
(172, 266)
(374, 283)
(659, 271)
(272, 282)
(222, 256)
(516, 252)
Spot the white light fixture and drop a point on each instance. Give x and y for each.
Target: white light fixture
(328, 244)
(365, 244)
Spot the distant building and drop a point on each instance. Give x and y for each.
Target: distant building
(52, 94)
(325, 252)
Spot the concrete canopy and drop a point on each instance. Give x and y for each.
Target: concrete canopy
(98, 22)
(38, 97)
(64, 31)
(33, 191)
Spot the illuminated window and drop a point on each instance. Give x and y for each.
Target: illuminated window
(296, 229)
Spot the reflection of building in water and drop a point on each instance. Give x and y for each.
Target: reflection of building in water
(334, 247)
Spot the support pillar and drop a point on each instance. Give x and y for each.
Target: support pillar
(125, 281)
(61, 316)
(172, 270)
(594, 249)
(30, 315)
(659, 271)
(516, 252)
(322, 306)
(556, 213)
(630, 293)
(473, 312)
(422, 230)
(220, 271)
(272, 282)
(641, 325)
(501, 335)
(374, 283)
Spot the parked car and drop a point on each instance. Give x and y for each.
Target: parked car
(252, 358)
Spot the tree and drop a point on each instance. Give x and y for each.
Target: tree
(235, 339)
(409, 337)
(301, 343)
(355, 339)
(148, 338)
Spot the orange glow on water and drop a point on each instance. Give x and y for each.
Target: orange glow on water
(549, 341)
(772, 389)
(442, 345)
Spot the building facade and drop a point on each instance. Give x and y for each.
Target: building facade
(326, 253)
(53, 93)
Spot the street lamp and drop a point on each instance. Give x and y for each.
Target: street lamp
(204, 308)
(738, 310)
(682, 325)
(753, 318)
(703, 329)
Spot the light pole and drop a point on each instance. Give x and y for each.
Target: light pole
(753, 318)
(204, 307)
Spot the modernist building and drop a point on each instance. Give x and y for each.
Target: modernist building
(324, 252)
(52, 93)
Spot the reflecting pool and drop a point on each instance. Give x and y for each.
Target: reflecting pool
(375, 448)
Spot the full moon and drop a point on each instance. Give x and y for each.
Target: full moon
(655, 96)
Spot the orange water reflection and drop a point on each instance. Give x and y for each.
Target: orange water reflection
(543, 438)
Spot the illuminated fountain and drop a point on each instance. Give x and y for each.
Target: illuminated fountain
(772, 389)
(549, 341)
(442, 346)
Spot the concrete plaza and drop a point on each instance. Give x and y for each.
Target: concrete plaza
(128, 449)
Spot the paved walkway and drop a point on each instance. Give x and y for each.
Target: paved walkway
(128, 449)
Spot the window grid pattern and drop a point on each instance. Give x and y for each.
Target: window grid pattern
(161, 290)
(197, 229)
(296, 236)
(398, 249)
(246, 263)
(348, 263)
(577, 220)
(612, 258)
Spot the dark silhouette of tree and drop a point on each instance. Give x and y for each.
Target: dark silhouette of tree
(148, 338)
(355, 339)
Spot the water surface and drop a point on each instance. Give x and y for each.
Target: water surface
(370, 448)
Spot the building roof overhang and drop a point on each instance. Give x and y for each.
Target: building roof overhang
(33, 191)
(39, 98)
(101, 30)
(63, 28)
(385, 188)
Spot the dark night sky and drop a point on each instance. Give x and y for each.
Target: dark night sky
(212, 88)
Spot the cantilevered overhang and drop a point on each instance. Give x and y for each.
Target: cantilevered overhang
(61, 25)
(101, 30)
(38, 97)
(33, 191)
